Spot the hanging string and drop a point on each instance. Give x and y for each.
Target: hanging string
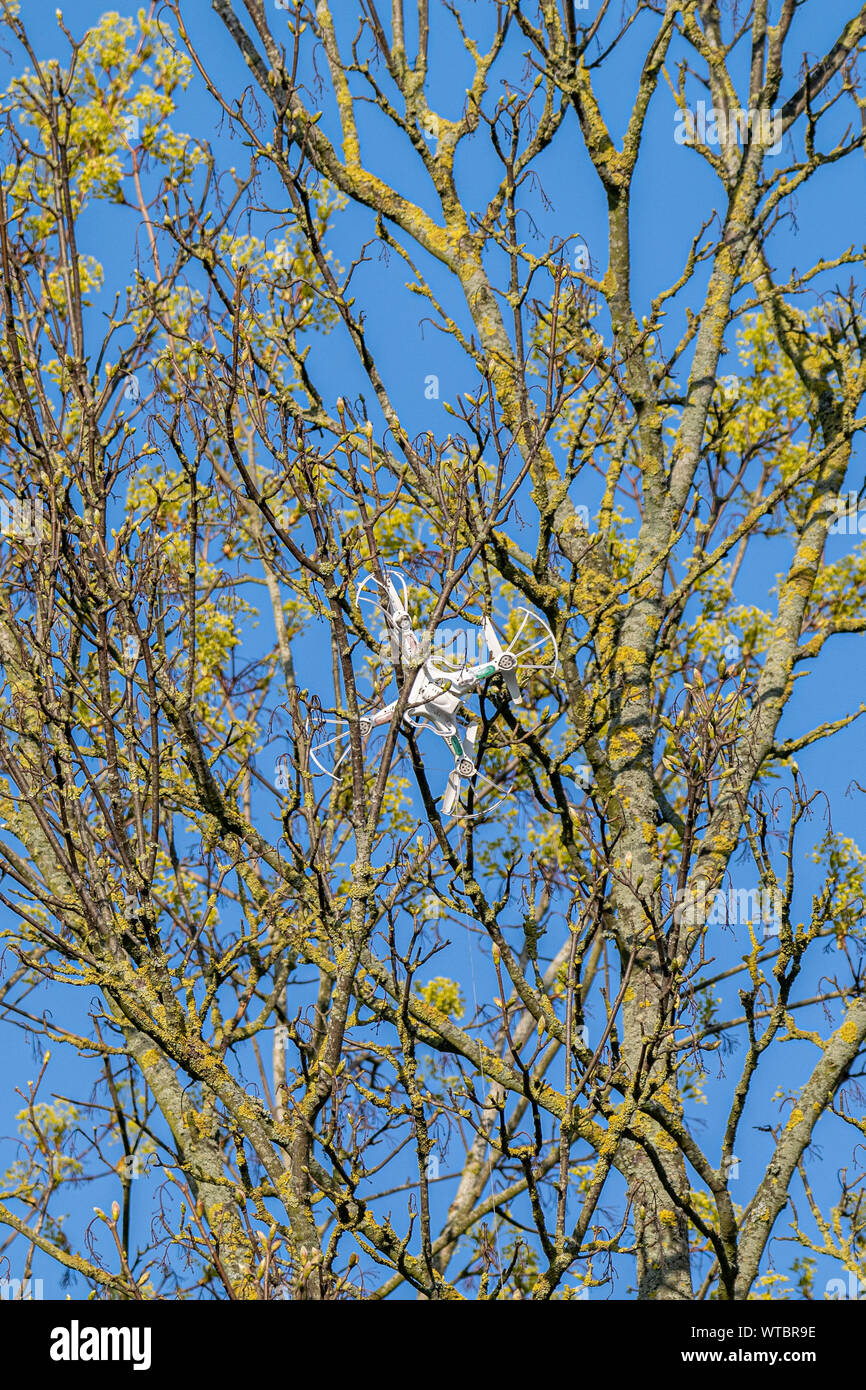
(485, 1085)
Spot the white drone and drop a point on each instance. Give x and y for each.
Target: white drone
(437, 693)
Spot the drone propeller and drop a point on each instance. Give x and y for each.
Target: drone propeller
(507, 672)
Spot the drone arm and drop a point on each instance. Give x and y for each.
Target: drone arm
(396, 600)
(492, 668)
(381, 716)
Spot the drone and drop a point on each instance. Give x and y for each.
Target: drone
(437, 694)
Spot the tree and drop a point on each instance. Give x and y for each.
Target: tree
(229, 442)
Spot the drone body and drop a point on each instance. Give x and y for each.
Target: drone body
(437, 694)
